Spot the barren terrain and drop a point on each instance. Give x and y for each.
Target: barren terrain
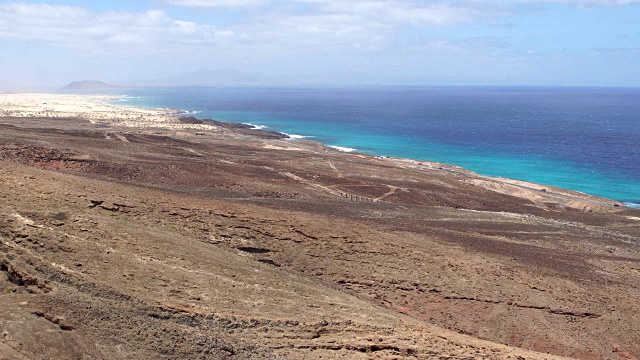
(188, 241)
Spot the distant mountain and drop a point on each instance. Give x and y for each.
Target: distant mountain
(88, 85)
(204, 77)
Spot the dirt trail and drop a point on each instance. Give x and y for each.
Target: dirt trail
(392, 190)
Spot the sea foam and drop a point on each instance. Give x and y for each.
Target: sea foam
(256, 127)
(342, 148)
(296, 137)
(127, 97)
(193, 112)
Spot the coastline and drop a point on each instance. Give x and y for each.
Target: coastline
(105, 110)
(558, 163)
(577, 198)
(276, 248)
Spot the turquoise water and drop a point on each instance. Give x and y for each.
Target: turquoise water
(532, 168)
(580, 139)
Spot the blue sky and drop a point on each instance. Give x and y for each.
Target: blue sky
(521, 42)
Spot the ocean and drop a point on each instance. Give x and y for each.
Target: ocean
(584, 139)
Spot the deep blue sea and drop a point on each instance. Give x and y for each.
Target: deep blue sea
(585, 139)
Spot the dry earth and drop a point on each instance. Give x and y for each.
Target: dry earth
(130, 242)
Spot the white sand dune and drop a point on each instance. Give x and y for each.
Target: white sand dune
(96, 108)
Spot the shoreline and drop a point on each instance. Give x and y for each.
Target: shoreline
(431, 165)
(292, 249)
(633, 202)
(104, 110)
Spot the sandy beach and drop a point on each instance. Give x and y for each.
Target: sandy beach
(98, 109)
(129, 233)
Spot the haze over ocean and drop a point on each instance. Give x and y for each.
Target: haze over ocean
(583, 139)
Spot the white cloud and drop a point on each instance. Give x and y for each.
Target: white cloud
(99, 32)
(571, 2)
(319, 24)
(412, 12)
(215, 3)
(386, 4)
(366, 25)
(296, 25)
(396, 12)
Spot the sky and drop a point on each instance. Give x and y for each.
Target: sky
(349, 42)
